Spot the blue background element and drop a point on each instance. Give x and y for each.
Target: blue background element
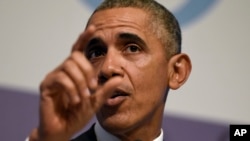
(191, 11)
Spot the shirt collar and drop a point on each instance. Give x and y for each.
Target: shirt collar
(103, 135)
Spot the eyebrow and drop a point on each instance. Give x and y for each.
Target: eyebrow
(131, 37)
(94, 41)
(127, 37)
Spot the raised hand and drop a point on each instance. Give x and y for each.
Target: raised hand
(70, 95)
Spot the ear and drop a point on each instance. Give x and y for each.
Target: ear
(179, 69)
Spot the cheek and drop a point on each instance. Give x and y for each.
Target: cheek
(149, 79)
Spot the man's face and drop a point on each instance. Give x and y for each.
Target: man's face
(124, 45)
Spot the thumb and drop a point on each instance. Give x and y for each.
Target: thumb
(105, 91)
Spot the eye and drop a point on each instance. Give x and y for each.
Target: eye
(95, 53)
(132, 48)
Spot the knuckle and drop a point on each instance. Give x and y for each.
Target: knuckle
(65, 82)
(52, 80)
(68, 65)
(74, 55)
(46, 81)
(70, 87)
(81, 60)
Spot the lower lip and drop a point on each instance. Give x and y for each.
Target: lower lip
(115, 101)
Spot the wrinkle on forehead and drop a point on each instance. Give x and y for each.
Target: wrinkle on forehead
(111, 22)
(120, 17)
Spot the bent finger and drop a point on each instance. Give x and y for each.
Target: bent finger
(84, 38)
(86, 68)
(56, 85)
(72, 69)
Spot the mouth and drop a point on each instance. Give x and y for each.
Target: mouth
(117, 98)
(118, 93)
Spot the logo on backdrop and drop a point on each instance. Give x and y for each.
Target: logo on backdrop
(189, 12)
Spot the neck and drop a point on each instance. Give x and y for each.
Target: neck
(140, 135)
(147, 130)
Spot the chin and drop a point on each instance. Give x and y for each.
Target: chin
(116, 123)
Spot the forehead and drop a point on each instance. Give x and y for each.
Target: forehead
(124, 14)
(126, 19)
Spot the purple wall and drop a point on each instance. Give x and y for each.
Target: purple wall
(19, 114)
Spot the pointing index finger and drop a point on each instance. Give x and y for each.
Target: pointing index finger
(84, 38)
(81, 60)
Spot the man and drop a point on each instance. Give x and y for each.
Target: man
(120, 69)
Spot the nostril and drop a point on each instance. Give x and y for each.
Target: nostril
(115, 74)
(102, 79)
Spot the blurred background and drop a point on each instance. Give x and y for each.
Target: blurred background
(36, 36)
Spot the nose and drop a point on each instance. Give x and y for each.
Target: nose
(111, 67)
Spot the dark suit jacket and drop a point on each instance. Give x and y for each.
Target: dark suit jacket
(89, 135)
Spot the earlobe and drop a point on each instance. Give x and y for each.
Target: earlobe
(179, 69)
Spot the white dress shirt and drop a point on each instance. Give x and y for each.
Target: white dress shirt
(103, 135)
